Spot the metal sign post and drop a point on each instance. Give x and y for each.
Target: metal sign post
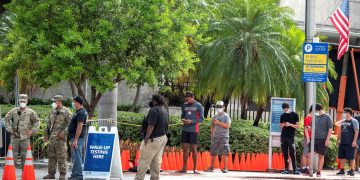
(315, 68)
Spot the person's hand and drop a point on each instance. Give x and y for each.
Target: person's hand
(327, 142)
(354, 144)
(307, 141)
(216, 121)
(46, 138)
(187, 121)
(287, 124)
(29, 133)
(74, 144)
(61, 135)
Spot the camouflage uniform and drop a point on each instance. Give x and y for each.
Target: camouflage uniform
(18, 122)
(59, 119)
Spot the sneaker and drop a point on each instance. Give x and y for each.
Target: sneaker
(306, 172)
(297, 172)
(351, 173)
(318, 174)
(342, 172)
(210, 169)
(348, 172)
(225, 171)
(285, 172)
(49, 176)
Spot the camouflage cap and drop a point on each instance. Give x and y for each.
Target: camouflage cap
(58, 98)
(23, 97)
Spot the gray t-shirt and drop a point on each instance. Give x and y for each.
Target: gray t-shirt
(348, 128)
(218, 130)
(322, 125)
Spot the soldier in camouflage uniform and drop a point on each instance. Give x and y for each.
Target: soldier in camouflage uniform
(21, 122)
(59, 119)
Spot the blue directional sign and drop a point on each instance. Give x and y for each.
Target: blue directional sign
(315, 62)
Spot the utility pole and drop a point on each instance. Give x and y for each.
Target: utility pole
(310, 88)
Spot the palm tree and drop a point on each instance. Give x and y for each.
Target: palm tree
(251, 52)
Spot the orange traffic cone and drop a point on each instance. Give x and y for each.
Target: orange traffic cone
(242, 162)
(282, 161)
(181, 159)
(9, 169)
(236, 162)
(230, 162)
(28, 172)
(199, 165)
(248, 162)
(208, 158)
(166, 162)
(203, 160)
(125, 157)
(170, 161)
(137, 156)
(216, 164)
(338, 163)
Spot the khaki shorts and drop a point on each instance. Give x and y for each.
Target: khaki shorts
(219, 145)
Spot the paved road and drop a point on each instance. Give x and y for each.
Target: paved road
(170, 175)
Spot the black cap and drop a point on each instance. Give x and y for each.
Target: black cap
(189, 94)
(79, 99)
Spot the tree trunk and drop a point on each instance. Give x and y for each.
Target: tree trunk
(91, 104)
(133, 106)
(108, 105)
(73, 88)
(258, 115)
(207, 106)
(243, 107)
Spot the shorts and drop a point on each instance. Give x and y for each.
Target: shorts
(358, 145)
(189, 137)
(220, 145)
(306, 147)
(319, 147)
(346, 151)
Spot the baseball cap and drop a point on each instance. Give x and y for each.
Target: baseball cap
(23, 97)
(57, 98)
(220, 103)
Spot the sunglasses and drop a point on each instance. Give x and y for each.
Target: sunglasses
(219, 106)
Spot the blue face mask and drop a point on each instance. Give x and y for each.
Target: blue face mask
(72, 105)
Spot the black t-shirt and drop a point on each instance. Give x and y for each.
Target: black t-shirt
(293, 118)
(159, 117)
(358, 119)
(79, 116)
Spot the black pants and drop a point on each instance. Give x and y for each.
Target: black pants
(288, 146)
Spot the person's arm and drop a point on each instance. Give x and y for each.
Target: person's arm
(338, 138)
(182, 112)
(338, 123)
(200, 117)
(212, 127)
(48, 124)
(8, 123)
(65, 125)
(79, 126)
(356, 129)
(282, 122)
(306, 133)
(151, 118)
(35, 123)
(329, 126)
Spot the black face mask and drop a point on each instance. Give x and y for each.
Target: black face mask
(151, 104)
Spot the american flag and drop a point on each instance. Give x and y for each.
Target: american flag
(341, 21)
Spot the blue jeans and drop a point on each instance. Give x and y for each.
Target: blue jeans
(77, 159)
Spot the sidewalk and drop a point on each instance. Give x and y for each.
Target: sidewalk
(172, 175)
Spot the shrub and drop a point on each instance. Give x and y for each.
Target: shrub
(127, 108)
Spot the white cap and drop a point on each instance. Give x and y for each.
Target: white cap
(220, 103)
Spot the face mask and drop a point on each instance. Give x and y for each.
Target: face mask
(54, 105)
(317, 114)
(151, 104)
(72, 105)
(22, 105)
(219, 110)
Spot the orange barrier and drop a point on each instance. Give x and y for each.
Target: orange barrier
(170, 161)
(190, 163)
(222, 163)
(28, 171)
(199, 165)
(9, 169)
(204, 161)
(217, 163)
(178, 161)
(248, 162)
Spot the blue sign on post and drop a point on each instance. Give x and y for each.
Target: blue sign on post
(315, 62)
(277, 111)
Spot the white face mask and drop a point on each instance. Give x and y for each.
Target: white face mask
(317, 114)
(54, 105)
(219, 110)
(22, 104)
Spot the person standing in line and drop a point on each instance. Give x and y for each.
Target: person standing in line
(347, 141)
(289, 122)
(220, 135)
(192, 113)
(323, 131)
(21, 122)
(77, 134)
(307, 137)
(154, 129)
(56, 135)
